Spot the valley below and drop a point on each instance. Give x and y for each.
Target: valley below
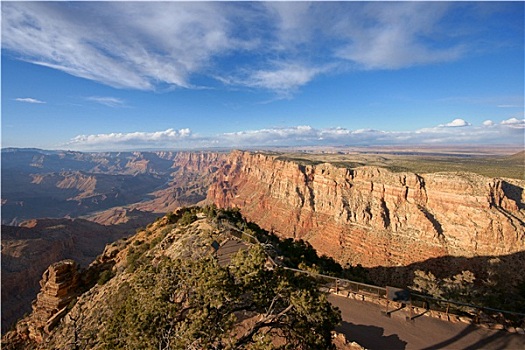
(388, 212)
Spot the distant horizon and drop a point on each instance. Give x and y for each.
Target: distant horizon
(98, 76)
(495, 149)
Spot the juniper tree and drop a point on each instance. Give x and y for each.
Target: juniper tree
(197, 304)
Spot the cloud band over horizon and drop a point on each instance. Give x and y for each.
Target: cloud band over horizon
(510, 131)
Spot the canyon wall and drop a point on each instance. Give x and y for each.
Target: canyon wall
(372, 216)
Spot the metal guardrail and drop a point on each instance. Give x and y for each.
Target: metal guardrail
(478, 314)
(341, 284)
(417, 300)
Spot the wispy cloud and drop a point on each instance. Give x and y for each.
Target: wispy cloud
(508, 131)
(28, 100)
(107, 101)
(397, 35)
(126, 45)
(283, 78)
(281, 46)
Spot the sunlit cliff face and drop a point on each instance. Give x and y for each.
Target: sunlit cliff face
(372, 216)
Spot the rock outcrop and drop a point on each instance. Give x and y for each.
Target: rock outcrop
(59, 286)
(190, 176)
(371, 216)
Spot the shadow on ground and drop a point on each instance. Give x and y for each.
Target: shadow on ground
(371, 337)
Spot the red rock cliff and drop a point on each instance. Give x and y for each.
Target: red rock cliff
(372, 216)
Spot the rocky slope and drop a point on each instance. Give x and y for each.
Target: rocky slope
(374, 217)
(75, 309)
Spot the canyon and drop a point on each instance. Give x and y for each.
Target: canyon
(57, 184)
(390, 222)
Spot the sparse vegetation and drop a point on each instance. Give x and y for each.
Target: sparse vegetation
(458, 288)
(495, 291)
(104, 277)
(135, 253)
(187, 218)
(491, 166)
(294, 253)
(182, 304)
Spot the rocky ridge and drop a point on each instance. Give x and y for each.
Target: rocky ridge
(59, 286)
(72, 310)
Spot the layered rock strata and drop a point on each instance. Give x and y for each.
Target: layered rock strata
(372, 216)
(59, 286)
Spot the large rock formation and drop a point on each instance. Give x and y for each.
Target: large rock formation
(190, 176)
(59, 286)
(372, 216)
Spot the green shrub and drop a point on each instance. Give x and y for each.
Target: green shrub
(187, 218)
(104, 277)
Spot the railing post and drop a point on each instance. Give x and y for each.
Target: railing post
(336, 286)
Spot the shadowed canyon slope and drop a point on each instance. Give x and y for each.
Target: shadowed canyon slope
(372, 216)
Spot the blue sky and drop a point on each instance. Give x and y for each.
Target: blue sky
(130, 75)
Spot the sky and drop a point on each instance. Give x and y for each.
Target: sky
(99, 76)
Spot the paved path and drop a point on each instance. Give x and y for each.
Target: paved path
(229, 249)
(364, 324)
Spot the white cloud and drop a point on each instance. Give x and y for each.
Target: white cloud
(506, 132)
(271, 136)
(107, 101)
(514, 123)
(307, 135)
(282, 45)
(284, 78)
(488, 122)
(396, 35)
(116, 141)
(126, 45)
(456, 123)
(29, 100)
